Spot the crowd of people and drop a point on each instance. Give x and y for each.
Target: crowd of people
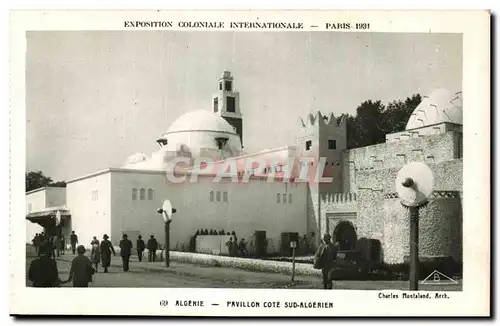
(43, 270)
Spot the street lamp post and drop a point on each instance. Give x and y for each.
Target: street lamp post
(293, 245)
(167, 212)
(414, 185)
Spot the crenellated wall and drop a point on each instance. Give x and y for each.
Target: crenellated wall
(376, 212)
(433, 149)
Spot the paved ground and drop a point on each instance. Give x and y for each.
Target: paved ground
(155, 275)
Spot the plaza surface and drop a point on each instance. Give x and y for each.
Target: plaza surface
(182, 275)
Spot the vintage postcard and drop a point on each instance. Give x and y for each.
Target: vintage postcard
(250, 163)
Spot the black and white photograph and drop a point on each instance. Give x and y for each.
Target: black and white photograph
(246, 155)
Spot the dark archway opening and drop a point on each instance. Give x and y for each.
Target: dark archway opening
(345, 235)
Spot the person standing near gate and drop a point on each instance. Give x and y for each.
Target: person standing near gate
(152, 247)
(106, 250)
(74, 241)
(140, 247)
(325, 259)
(125, 252)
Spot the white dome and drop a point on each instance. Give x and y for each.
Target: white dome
(201, 133)
(440, 106)
(201, 120)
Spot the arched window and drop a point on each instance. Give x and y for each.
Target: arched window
(150, 194)
(224, 196)
(211, 196)
(218, 196)
(284, 198)
(289, 198)
(278, 198)
(143, 194)
(134, 194)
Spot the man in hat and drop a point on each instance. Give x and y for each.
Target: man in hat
(140, 247)
(106, 250)
(152, 247)
(325, 259)
(43, 269)
(125, 252)
(81, 269)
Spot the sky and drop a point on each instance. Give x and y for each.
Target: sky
(93, 98)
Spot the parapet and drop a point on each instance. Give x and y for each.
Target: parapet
(323, 120)
(435, 194)
(342, 197)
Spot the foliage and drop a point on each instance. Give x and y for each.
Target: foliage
(35, 180)
(374, 120)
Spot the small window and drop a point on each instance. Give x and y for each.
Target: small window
(211, 196)
(134, 194)
(231, 104)
(216, 104)
(143, 194)
(220, 86)
(308, 145)
(29, 207)
(150, 194)
(218, 196)
(228, 85)
(284, 198)
(278, 198)
(95, 195)
(224, 196)
(279, 168)
(332, 144)
(289, 198)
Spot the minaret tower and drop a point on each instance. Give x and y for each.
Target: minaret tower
(226, 103)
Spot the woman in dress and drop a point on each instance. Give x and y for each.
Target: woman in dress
(95, 255)
(106, 250)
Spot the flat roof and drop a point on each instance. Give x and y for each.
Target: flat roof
(43, 188)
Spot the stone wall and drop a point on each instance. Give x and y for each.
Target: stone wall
(386, 220)
(432, 150)
(440, 231)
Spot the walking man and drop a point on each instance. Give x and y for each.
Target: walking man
(74, 241)
(57, 243)
(125, 252)
(81, 270)
(325, 259)
(140, 247)
(95, 254)
(152, 247)
(63, 245)
(43, 269)
(106, 250)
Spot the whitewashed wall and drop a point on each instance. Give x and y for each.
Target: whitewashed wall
(249, 207)
(130, 215)
(90, 214)
(35, 201)
(55, 197)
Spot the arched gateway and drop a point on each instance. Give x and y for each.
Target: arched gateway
(345, 234)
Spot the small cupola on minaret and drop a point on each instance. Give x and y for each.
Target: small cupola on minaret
(226, 103)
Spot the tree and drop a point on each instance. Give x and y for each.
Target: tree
(374, 120)
(35, 180)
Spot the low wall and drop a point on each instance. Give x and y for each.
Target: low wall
(244, 263)
(212, 244)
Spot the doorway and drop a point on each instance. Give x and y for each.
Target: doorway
(345, 234)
